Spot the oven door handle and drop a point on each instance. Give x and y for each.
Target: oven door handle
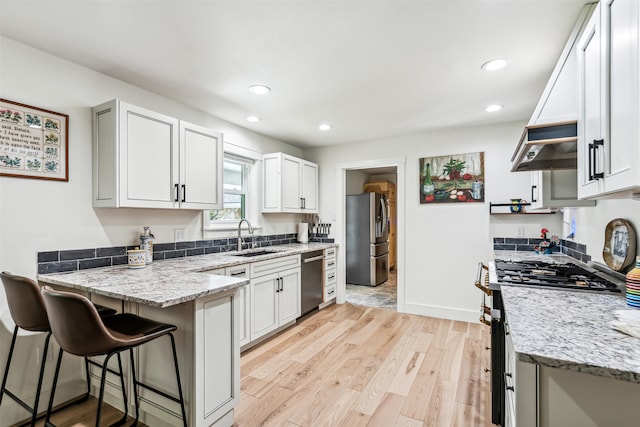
(478, 283)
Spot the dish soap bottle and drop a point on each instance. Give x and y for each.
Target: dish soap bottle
(146, 244)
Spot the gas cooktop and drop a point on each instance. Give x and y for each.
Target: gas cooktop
(543, 274)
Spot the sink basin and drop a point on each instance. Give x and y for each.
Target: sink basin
(255, 253)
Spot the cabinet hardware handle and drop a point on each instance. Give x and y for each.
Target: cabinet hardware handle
(281, 284)
(487, 370)
(239, 273)
(331, 291)
(533, 199)
(177, 193)
(597, 143)
(184, 193)
(278, 285)
(332, 277)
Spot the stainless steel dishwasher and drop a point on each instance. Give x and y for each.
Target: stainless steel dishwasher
(311, 287)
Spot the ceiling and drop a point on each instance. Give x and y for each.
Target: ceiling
(371, 69)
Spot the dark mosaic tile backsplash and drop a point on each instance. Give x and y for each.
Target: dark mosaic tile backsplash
(567, 247)
(81, 259)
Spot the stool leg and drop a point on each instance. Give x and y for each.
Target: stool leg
(40, 377)
(103, 377)
(6, 369)
(47, 421)
(124, 394)
(175, 361)
(88, 372)
(135, 386)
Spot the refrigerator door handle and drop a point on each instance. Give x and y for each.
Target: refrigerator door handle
(384, 215)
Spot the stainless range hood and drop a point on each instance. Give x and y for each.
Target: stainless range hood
(545, 147)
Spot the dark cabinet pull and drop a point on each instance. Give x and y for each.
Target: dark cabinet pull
(184, 193)
(177, 193)
(239, 273)
(533, 199)
(597, 143)
(593, 151)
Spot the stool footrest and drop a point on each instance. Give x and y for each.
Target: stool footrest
(160, 392)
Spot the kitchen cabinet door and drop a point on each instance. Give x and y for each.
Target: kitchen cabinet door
(243, 295)
(309, 172)
(200, 178)
(555, 189)
(609, 65)
(289, 296)
(264, 305)
(135, 161)
(590, 124)
(289, 184)
(620, 22)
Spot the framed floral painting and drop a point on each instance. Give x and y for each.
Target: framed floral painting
(455, 178)
(34, 143)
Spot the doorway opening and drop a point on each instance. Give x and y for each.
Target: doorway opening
(382, 180)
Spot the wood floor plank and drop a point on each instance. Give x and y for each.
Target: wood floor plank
(407, 373)
(415, 405)
(387, 412)
(441, 405)
(403, 421)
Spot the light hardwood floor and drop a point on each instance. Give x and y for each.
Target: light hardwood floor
(351, 366)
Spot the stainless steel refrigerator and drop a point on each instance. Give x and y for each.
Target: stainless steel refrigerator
(367, 245)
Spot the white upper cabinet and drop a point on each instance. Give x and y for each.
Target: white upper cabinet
(289, 184)
(200, 167)
(608, 133)
(145, 159)
(558, 188)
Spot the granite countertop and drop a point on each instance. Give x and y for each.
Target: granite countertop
(571, 330)
(567, 329)
(170, 282)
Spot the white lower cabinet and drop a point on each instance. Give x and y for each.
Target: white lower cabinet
(274, 293)
(329, 280)
(244, 302)
(542, 396)
(208, 357)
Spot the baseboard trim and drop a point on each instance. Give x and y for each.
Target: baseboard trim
(449, 313)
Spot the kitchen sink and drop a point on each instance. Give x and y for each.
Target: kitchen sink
(255, 253)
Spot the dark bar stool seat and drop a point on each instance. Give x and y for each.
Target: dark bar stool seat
(29, 313)
(81, 331)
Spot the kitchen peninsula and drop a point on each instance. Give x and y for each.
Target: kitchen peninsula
(208, 308)
(564, 364)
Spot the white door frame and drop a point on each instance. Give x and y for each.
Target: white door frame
(341, 172)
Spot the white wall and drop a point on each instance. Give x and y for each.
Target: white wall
(39, 215)
(355, 181)
(591, 223)
(443, 243)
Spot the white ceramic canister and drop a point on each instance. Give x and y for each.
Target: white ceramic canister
(136, 258)
(146, 244)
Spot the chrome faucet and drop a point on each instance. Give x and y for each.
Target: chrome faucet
(240, 231)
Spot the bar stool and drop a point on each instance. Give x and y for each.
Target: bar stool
(81, 331)
(29, 313)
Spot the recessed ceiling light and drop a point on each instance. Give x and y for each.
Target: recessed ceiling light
(253, 119)
(495, 64)
(493, 108)
(259, 89)
(324, 126)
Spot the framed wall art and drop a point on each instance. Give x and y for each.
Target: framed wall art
(34, 143)
(455, 178)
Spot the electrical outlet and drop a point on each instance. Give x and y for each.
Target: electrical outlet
(178, 235)
(520, 231)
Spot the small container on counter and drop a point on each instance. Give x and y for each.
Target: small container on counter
(137, 258)
(146, 244)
